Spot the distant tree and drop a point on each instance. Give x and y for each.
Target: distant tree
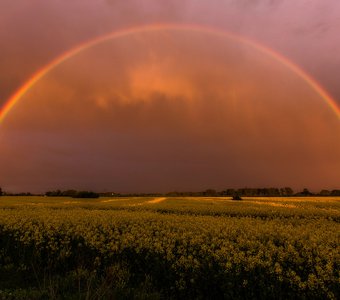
(305, 193)
(274, 192)
(325, 193)
(228, 192)
(0, 191)
(335, 193)
(69, 193)
(210, 192)
(237, 197)
(56, 193)
(86, 194)
(109, 194)
(288, 191)
(172, 194)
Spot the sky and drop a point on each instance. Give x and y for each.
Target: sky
(170, 109)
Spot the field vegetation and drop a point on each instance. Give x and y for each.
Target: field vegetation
(169, 248)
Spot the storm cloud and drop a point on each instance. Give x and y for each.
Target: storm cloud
(169, 110)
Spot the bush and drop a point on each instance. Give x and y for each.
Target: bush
(237, 197)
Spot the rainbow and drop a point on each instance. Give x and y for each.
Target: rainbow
(11, 102)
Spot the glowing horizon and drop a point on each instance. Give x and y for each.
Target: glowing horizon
(14, 99)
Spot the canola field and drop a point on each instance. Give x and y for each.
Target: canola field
(169, 248)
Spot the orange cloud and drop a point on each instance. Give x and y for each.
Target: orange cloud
(171, 111)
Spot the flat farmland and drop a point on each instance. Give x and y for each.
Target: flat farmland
(169, 248)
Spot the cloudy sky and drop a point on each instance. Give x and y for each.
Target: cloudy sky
(171, 109)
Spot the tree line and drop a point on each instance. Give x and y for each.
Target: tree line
(231, 192)
(242, 192)
(72, 193)
(256, 192)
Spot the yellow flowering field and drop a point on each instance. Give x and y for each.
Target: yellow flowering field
(169, 248)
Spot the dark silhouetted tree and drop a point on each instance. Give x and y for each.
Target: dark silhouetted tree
(69, 193)
(56, 193)
(288, 191)
(209, 192)
(86, 194)
(237, 197)
(325, 193)
(228, 192)
(305, 193)
(335, 193)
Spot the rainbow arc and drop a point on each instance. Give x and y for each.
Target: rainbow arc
(15, 98)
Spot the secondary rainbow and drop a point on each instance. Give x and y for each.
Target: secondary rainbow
(11, 102)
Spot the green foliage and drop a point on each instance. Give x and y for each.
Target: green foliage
(145, 248)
